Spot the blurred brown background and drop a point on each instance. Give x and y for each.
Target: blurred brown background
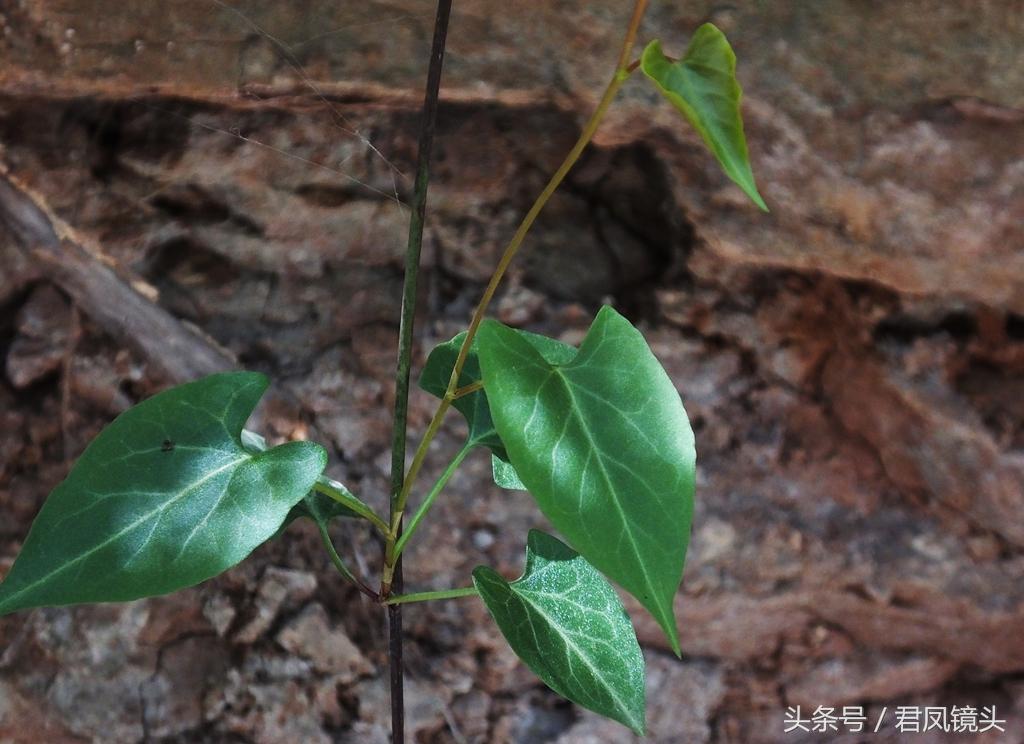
(853, 363)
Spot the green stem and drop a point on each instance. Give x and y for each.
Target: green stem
(340, 564)
(468, 389)
(425, 596)
(429, 501)
(622, 72)
(346, 498)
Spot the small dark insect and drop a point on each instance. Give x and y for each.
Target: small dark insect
(167, 446)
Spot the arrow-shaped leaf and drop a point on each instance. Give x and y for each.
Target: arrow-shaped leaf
(604, 446)
(703, 86)
(565, 621)
(165, 497)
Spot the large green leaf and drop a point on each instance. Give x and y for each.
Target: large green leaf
(565, 621)
(438, 370)
(165, 497)
(703, 86)
(604, 445)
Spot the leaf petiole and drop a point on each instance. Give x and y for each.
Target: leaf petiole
(468, 389)
(340, 564)
(429, 501)
(466, 591)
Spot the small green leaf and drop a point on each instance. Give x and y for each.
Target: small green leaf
(604, 446)
(703, 86)
(165, 497)
(565, 621)
(505, 475)
(438, 370)
(434, 379)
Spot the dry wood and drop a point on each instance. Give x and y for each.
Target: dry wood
(115, 301)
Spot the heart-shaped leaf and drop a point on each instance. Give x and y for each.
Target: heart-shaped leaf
(604, 446)
(438, 370)
(565, 621)
(703, 86)
(165, 497)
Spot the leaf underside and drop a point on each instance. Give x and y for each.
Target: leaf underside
(505, 475)
(165, 497)
(567, 624)
(604, 446)
(703, 86)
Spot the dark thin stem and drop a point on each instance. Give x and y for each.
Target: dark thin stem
(392, 579)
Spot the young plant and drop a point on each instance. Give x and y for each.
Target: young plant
(175, 491)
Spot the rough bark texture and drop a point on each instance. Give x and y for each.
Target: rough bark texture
(853, 363)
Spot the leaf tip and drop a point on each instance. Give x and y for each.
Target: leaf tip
(665, 616)
(488, 326)
(255, 379)
(755, 197)
(320, 453)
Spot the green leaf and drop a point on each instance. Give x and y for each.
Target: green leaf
(315, 505)
(505, 475)
(565, 621)
(434, 379)
(438, 370)
(703, 86)
(604, 446)
(165, 497)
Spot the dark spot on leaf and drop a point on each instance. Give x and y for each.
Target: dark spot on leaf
(167, 446)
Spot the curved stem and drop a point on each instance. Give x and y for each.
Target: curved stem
(340, 564)
(429, 501)
(425, 596)
(622, 72)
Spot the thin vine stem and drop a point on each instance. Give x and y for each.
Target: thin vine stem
(339, 564)
(391, 576)
(623, 69)
(429, 500)
(395, 599)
